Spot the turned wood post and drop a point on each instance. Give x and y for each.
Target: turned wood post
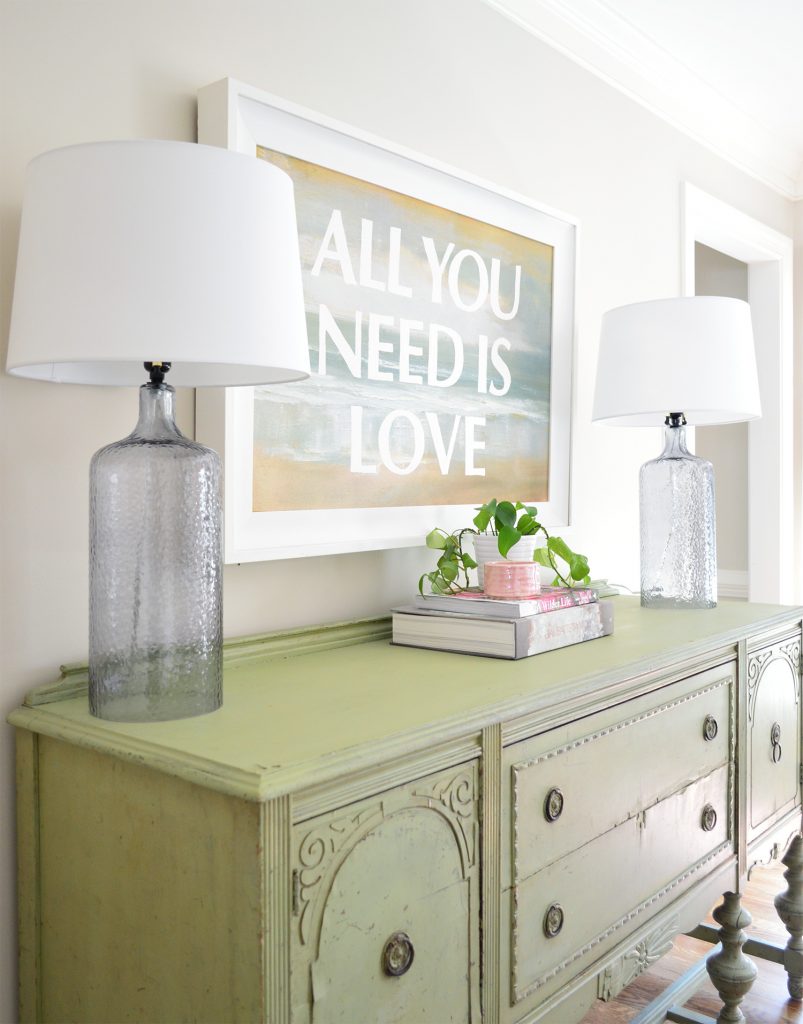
(789, 905)
(731, 972)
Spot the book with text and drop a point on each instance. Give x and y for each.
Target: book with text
(475, 602)
(512, 638)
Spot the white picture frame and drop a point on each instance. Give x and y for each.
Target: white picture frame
(242, 118)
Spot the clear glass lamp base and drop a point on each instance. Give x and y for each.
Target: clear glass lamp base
(678, 528)
(155, 625)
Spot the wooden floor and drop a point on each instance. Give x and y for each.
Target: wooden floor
(768, 1001)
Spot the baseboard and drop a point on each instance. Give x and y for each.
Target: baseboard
(733, 583)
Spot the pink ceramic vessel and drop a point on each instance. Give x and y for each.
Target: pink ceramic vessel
(511, 579)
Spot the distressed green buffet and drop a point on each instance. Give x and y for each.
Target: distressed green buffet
(366, 833)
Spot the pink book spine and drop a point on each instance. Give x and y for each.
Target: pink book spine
(550, 602)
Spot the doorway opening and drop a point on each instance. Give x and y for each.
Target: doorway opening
(725, 446)
(763, 484)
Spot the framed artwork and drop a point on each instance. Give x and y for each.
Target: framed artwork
(439, 313)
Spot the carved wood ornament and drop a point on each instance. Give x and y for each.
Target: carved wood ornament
(644, 954)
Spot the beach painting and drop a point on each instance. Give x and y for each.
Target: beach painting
(430, 339)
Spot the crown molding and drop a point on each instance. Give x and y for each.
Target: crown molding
(610, 46)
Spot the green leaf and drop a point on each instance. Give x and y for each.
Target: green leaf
(527, 526)
(505, 515)
(508, 536)
(436, 539)
(481, 520)
(449, 571)
(578, 567)
(559, 547)
(468, 561)
(484, 515)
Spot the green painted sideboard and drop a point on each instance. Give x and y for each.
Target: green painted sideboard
(370, 834)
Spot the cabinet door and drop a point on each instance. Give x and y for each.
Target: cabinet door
(386, 924)
(773, 691)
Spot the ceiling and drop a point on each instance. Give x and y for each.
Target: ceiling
(729, 73)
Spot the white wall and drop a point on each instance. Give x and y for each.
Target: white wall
(453, 80)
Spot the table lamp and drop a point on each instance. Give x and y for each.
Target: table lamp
(138, 259)
(677, 362)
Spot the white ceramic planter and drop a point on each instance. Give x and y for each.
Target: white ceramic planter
(486, 549)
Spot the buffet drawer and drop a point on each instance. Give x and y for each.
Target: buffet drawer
(561, 912)
(573, 784)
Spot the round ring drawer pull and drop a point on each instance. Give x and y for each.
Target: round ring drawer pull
(710, 728)
(553, 805)
(709, 818)
(775, 740)
(398, 954)
(553, 920)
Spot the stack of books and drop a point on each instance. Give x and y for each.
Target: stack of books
(471, 623)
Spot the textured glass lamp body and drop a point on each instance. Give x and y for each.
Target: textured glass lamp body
(155, 625)
(678, 528)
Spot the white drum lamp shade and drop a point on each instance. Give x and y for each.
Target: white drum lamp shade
(691, 355)
(184, 258)
(673, 362)
(146, 250)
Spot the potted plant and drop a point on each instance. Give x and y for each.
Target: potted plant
(501, 527)
(505, 530)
